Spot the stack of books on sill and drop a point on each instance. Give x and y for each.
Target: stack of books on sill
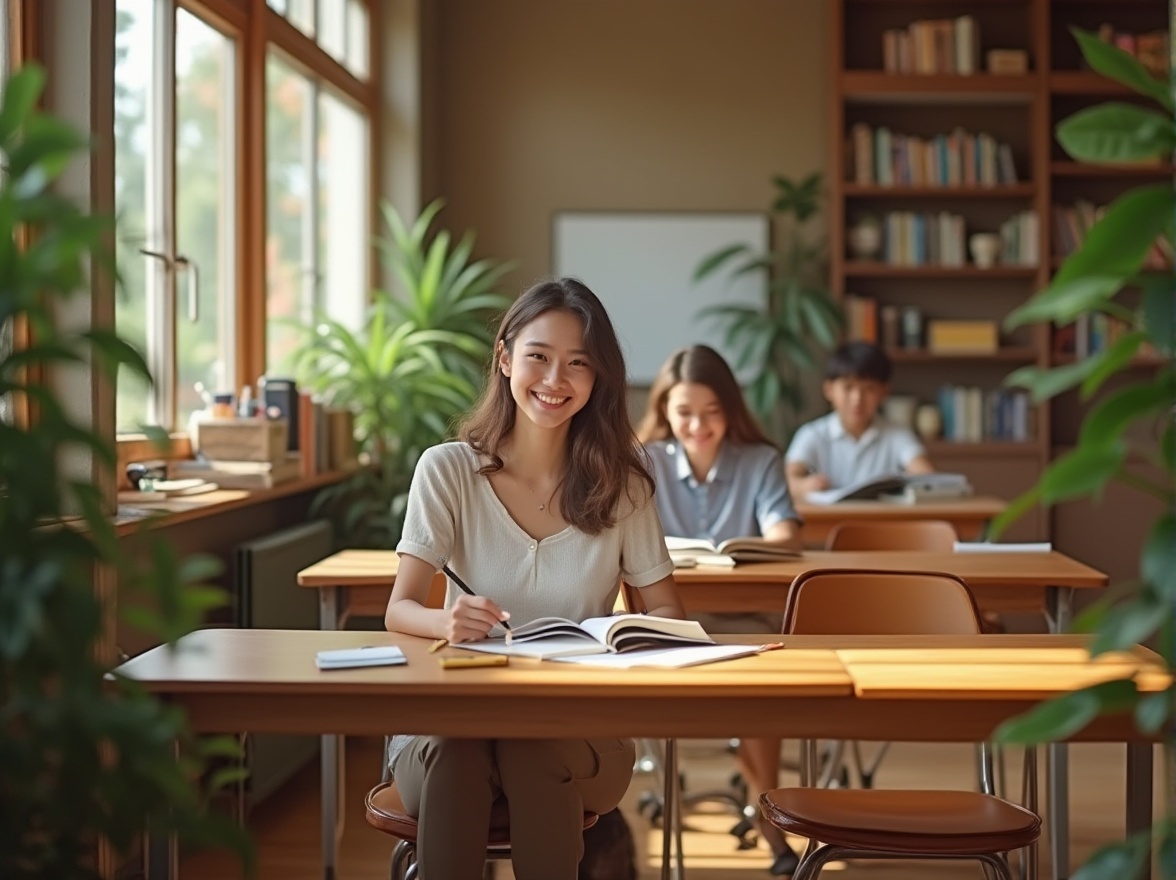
(240, 474)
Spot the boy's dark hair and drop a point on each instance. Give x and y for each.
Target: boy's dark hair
(858, 360)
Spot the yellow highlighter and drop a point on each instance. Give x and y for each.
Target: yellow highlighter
(469, 662)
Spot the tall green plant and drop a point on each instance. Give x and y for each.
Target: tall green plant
(1106, 275)
(777, 340)
(411, 368)
(84, 755)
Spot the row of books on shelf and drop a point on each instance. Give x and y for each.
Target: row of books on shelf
(1149, 48)
(881, 157)
(917, 239)
(1071, 223)
(949, 45)
(1093, 333)
(971, 414)
(1020, 240)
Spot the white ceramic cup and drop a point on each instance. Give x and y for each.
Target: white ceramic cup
(985, 248)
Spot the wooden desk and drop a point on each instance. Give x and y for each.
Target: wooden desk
(969, 516)
(1000, 582)
(265, 680)
(359, 581)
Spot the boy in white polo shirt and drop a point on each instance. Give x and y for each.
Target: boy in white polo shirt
(853, 442)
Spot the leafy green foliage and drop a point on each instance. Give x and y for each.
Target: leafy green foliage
(408, 372)
(1120, 431)
(86, 754)
(778, 340)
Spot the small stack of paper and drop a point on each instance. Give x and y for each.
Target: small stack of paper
(351, 658)
(985, 547)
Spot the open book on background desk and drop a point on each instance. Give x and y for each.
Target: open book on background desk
(699, 551)
(550, 637)
(897, 487)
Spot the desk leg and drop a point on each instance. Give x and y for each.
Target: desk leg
(161, 852)
(1058, 612)
(328, 608)
(1057, 780)
(161, 857)
(1139, 792)
(671, 816)
(1059, 603)
(330, 756)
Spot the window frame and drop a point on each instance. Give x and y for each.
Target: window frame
(24, 28)
(258, 29)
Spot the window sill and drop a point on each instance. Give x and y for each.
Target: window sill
(157, 514)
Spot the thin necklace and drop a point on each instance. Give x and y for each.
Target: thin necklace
(543, 505)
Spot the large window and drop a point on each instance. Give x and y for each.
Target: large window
(225, 234)
(175, 180)
(316, 206)
(339, 27)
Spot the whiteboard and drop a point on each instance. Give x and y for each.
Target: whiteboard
(641, 265)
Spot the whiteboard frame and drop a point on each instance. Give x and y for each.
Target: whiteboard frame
(641, 264)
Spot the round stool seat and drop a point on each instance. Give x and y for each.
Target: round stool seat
(903, 821)
(385, 812)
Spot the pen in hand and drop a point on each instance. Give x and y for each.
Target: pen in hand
(464, 587)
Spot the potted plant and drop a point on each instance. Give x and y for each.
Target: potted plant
(407, 372)
(1096, 279)
(86, 755)
(776, 341)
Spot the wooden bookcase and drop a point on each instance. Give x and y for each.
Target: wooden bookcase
(1019, 110)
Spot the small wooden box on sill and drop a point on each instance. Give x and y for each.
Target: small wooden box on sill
(241, 439)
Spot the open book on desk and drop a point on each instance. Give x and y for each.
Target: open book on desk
(910, 488)
(698, 551)
(549, 637)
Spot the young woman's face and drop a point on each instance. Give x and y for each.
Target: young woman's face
(696, 418)
(551, 377)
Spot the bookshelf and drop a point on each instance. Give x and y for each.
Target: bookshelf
(1017, 112)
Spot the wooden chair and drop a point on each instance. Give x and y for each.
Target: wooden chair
(921, 534)
(880, 824)
(385, 812)
(916, 534)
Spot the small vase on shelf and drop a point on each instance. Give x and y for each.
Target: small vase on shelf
(865, 238)
(928, 421)
(985, 248)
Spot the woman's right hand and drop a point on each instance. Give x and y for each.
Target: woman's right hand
(470, 619)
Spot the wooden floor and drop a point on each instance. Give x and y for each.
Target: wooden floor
(286, 826)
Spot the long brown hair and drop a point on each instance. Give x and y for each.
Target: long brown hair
(700, 365)
(603, 452)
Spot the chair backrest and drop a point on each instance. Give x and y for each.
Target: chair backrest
(915, 534)
(867, 602)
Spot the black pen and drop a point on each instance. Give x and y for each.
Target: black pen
(465, 589)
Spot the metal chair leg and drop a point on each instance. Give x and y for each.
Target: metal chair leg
(402, 858)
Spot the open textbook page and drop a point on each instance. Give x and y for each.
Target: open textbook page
(896, 487)
(663, 658)
(699, 551)
(549, 637)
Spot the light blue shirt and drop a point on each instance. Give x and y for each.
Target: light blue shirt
(743, 496)
(825, 447)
